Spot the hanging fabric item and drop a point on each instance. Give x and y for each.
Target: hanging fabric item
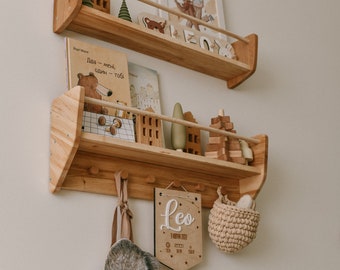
(124, 254)
(178, 228)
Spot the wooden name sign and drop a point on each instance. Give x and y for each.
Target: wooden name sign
(178, 228)
(188, 35)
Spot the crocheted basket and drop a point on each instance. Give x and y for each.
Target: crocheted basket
(232, 228)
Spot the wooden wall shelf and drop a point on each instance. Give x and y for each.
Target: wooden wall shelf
(87, 162)
(72, 15)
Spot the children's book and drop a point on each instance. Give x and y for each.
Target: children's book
(104, 74)
(102, 71)
(144, 88)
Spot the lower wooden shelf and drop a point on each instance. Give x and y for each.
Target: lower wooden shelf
(87, 162)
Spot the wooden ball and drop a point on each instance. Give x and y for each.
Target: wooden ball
(102, 121)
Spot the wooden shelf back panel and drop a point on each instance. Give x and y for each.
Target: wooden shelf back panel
(89, 21)
(87, 162)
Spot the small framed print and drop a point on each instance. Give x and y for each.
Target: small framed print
(209, 11)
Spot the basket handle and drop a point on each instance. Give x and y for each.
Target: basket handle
(224, 198)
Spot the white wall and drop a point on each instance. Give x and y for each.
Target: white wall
(293, 97)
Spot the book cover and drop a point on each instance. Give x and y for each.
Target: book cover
(102, 71)
(144, 88)
(104, 75)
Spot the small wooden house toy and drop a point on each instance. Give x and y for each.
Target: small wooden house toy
(149, 129)
(102, 5)
(193, 141)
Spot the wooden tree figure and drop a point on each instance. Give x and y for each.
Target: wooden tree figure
(124, 12)
(193, 142)
(88, 3)
(149, 129)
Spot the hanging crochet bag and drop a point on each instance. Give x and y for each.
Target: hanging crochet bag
(232, 228)
(124, 254)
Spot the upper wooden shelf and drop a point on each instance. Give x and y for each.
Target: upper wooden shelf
(87, 162)
(72, 15)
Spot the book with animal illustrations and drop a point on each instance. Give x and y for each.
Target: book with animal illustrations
(101, 71)
(104, 75)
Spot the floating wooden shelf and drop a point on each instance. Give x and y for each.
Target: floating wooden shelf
(72, 15)
(87, 162)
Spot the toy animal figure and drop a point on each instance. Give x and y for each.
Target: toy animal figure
(93, 90)
(151, 24)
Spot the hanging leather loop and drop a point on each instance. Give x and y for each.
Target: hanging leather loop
(122, 210)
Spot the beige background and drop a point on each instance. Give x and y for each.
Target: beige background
(293, 97)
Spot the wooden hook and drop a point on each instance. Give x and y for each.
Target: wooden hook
(124, 174)
(150, 179)
(200, 187)
(177, 183)
(93, 170)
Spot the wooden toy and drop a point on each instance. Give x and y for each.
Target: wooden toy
(184, 34)
(117, 123)
(124, 12)
(178, 131)
(84, 161)
(193, 135)
(149, 129)
(102, 5)
(246, 151)
(88, 3)
(226, 147)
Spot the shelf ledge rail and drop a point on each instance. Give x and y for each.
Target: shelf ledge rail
(191, 18)
(167, 118)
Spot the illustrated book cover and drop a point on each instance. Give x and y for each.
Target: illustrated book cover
(144, 88)
(104, 74)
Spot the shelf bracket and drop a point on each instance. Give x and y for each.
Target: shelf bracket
(64, 13)
(246, 53)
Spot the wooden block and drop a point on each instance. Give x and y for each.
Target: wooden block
(215, 120)
(212, 134)
(229, 126)
(234, 145)
(216, 140)
(239, 160)
(216, 153)
(223, 157)
(235, 153)
(217, 125)
(224, 119)
(212, 147)
(212, 154)
(216, 147)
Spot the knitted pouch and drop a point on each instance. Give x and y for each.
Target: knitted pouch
(232, 228)
(124, 254)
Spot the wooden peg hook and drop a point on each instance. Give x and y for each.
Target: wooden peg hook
(93, 170)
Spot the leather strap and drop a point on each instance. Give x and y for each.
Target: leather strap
(122, 211)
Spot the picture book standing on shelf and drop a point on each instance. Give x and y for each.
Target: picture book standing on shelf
(104, 75)
(102, 71)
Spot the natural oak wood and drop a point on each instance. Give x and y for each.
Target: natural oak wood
(71, 15)
(87, 162)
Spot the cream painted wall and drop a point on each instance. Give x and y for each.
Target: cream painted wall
(293, 97)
